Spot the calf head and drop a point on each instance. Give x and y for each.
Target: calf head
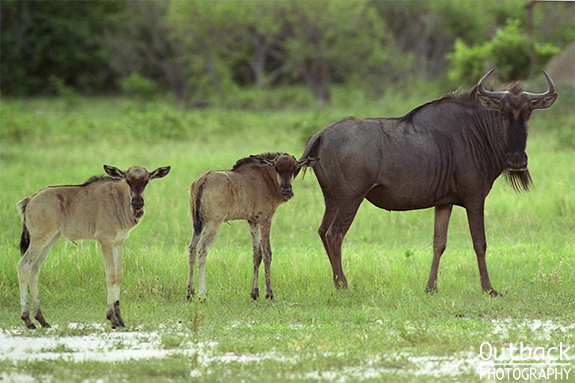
(515, 107)
(286, 167)
(137, 177)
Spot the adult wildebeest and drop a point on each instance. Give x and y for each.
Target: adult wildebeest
(103, 208)
(251, 191)
(446, 152)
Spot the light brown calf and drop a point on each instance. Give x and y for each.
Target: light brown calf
(251, 191)
(103, 208)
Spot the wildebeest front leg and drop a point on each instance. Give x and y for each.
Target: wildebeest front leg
(442, 215)
(257, 255)
(477, 229)
(267, 256)
(109, 258)
(119, 276)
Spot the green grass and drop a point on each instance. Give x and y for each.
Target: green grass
(320, 333)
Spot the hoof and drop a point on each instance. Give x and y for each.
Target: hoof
(493, 293)
(31, 326)
(117, 324)
(431, 290)
(191, 294)
(255, 294)
(270, 296)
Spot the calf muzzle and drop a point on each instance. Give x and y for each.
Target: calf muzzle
(138, 203)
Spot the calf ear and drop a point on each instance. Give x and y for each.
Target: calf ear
(160, 172)
(114, 172)
(307, 162)
(490, 102)
(262, 161)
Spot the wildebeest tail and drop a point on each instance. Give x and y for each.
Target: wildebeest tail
(25, 236)
(196, 205)
(311, 150)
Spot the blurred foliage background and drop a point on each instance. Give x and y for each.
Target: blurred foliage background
(201, 51)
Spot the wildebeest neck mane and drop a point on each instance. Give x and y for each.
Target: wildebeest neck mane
(467, 98)
(100, 178)
(250, 160)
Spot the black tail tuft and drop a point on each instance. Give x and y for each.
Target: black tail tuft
(197, 212)
(25, 236)
(312, 147)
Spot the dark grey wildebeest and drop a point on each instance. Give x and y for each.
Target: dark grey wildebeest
(251, 191)
(103, 208)
(443, 153)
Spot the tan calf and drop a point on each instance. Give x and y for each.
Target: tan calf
(103, 208)
(251, 191)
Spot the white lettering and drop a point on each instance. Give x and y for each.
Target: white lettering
(549, 353)
(563, 352)
(541, 351)
(522, 352)
(481, 351)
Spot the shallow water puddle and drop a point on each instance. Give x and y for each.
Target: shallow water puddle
(102, 345)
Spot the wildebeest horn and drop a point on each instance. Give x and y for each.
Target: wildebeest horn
(537, 96)
(483, 91)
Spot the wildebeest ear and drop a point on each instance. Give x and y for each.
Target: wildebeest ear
(490, 102)
(262, 161)
(160, 172)
(307, 162)
(114, 172)
(544, 102)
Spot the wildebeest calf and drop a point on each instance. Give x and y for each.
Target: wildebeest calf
(103, 208)
(251, 191)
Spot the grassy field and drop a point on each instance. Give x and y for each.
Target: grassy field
(383, 328)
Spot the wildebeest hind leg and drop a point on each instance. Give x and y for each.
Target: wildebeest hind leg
(442, 215)
(192, 261)
(202, 253)
(28, 272)
(334, 237)
(328, 216)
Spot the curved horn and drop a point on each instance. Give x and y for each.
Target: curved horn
(537, 96)
(483, 91)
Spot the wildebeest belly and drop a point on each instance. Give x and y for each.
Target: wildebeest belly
(399, 199)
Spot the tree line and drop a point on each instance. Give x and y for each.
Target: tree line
(200, 49)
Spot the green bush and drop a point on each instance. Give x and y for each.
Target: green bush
(508, 51)
(136, 84)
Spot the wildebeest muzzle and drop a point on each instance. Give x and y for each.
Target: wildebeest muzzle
(517, 161)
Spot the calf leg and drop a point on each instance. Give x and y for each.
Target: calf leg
(191, 262)
(267, 256)
(477, 228)
(257, 255)
(118, 281)
(28, 272)
(442, 215)
(111, 270)
(202, 249)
